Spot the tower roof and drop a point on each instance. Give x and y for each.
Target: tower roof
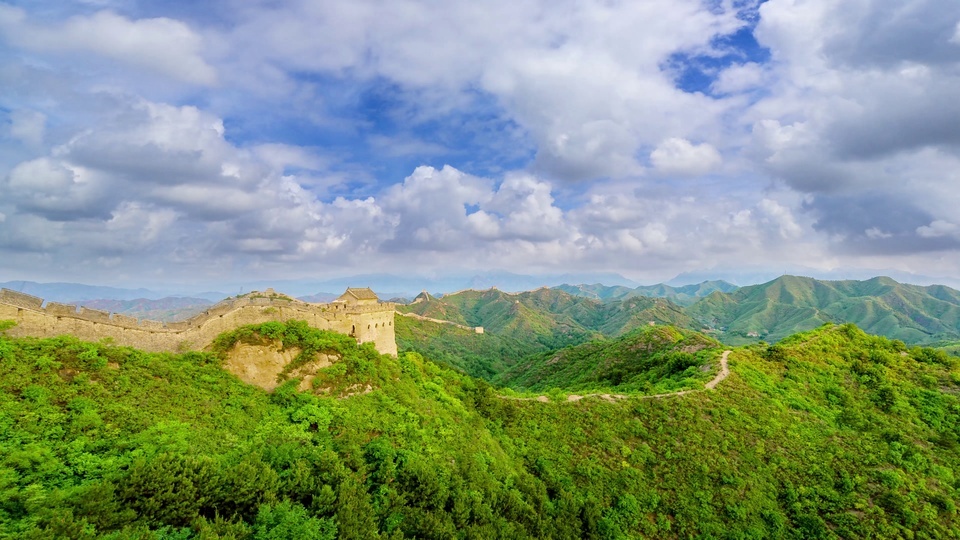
(360, 293)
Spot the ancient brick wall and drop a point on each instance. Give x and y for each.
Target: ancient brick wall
(367, 323)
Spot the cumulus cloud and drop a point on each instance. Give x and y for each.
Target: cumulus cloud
(859, 115)
(782, 217)
(160, 44)
(740, 78)
(526, 209)
(588, 87)
(842, 148)
(431, 207)
(680, 157)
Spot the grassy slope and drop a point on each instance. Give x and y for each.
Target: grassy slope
(831, 433)
(791, 304)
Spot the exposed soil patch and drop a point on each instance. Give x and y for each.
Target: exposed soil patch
(263, 365)
(308, 371)
(259, 364)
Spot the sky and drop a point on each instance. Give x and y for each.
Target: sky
(148, 142)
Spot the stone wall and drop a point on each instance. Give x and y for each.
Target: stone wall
(367, 323)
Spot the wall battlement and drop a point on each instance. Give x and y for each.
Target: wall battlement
(20, 299)
(365, 322)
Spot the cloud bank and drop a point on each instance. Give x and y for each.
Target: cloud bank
(290, 139)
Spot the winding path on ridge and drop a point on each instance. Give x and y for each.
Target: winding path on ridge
(724, 373)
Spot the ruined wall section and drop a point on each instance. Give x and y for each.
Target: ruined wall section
(367, 323)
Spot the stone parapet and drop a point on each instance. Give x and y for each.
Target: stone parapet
(67, 310)
(95, 315)
(20, 299)
(124, 321)
(147, 324)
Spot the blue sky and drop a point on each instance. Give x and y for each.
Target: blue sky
(147, 142)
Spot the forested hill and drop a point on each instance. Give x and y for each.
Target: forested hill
(551, 317)
(790, 304)
(651, 359)
(829, 434)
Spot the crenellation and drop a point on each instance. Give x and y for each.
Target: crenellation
(220, 309)
(363, 319)
(20, 299)
(151, 325)
(124, 320)
(178, 326)
(95, 315)
(63, 310)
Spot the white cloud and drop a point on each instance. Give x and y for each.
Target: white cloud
(782, 217)
(134, 221)
(584, 79)
(938, 228)
(677, 156)
(55, 189)
(875, 233)
(843, 147)
(740, 78)
(859, 114)
(160, 44)
(525, 205)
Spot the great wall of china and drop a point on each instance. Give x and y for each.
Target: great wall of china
(358, 313)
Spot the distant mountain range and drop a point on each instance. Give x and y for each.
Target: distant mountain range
(164, 309)
(571, 314)
(78, 292)
(547, 319)
(386, 286)
(685, 295)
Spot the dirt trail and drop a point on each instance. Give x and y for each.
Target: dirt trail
(724, 373)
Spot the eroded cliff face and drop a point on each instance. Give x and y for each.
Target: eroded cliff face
(264, 365)
(371, 322)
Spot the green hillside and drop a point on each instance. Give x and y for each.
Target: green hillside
(829, 434)
(517, 325)
(652, 359)
(479, 355)
(684, 295)
(790, 304)
(554, 317)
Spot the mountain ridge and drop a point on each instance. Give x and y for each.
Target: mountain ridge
(788, 304)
